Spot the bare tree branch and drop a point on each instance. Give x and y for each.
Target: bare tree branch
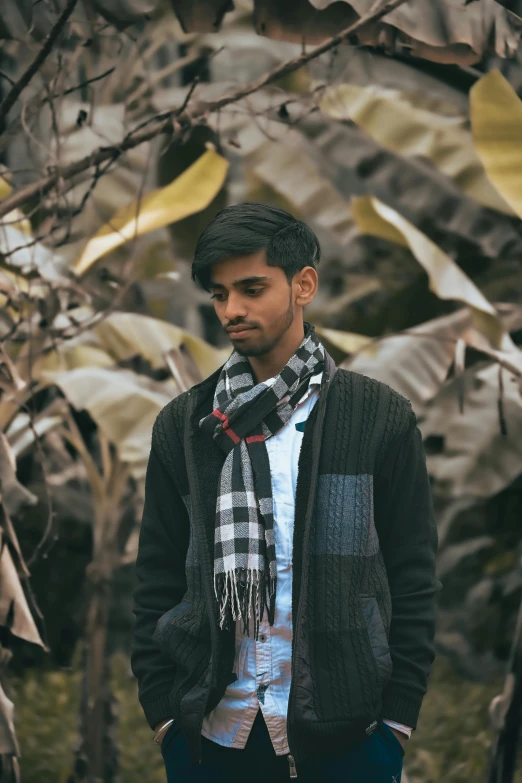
(178, 122)
(15, 91)
(87, 82)
(3, 75)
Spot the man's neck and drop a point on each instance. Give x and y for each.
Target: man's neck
(265, 367)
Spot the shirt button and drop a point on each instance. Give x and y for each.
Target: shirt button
(262, 637)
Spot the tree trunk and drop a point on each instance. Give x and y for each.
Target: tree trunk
(97, 755)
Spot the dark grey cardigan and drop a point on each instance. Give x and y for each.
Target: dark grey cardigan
(364, 569)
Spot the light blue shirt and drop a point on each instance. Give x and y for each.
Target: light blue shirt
(263, 668)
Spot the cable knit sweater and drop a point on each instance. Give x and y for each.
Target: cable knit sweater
(363, 594)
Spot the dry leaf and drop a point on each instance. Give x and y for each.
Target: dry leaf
(447, 280)
(189, 193)
(14, 609)
(392, 119)
(496, 123)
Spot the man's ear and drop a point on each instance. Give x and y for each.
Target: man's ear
(306, 282)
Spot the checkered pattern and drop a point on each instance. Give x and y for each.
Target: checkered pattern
(246, 414)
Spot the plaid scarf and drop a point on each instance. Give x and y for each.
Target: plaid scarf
(245, 415)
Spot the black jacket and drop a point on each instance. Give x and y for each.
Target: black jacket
(364, 581)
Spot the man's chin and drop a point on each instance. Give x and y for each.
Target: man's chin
(244, 350)
(247, 348)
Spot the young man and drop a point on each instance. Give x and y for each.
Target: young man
(286, 568)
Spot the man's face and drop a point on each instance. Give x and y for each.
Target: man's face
(248, 293)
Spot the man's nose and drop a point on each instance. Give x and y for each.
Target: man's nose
(235, 308)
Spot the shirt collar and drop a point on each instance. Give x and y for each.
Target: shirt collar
(315, 380)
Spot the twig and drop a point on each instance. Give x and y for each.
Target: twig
(500, 404)
(3, 75)
(15, 91)
(51, 515)
(189, 95)
(178, 123)
(86, 82)
(297, 62)
(169, 70)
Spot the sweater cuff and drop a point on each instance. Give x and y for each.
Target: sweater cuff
(400, 706)
(156, 708)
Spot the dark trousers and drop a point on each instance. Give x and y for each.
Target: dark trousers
(376, 760)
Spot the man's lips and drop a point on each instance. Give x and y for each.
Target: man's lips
(240, 331)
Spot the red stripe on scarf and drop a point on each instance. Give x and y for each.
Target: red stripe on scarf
(226, 429)
(255, 439)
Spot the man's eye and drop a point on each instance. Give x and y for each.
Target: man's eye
(253, 291)
(217, 296)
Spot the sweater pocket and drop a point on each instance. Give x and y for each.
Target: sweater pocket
(169, 622)
(377, 638)
(183, 634)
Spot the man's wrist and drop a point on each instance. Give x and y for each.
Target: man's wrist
(161, 729)
(403, 738)
(401, 728)
(400, 731)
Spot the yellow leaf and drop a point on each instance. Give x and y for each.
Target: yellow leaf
(496, 124)
(70, 357)
(124, 335)
(348, 342)
(121, 336)
(447, 280)
(5, 187)
(189, 193)
(16, 218)
(392, 119)
(369, 220)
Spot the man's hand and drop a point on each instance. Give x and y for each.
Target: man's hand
(403, 739)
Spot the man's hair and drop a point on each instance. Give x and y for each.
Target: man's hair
(248, 228)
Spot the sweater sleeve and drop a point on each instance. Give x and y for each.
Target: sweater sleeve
(160, 585)
(408, 539)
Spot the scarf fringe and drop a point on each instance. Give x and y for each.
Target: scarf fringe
(242, 595)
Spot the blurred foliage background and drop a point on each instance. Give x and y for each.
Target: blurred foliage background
(401, 145)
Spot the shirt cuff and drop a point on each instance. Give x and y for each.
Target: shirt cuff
(399, 727)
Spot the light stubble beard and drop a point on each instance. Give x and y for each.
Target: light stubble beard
(264, 347)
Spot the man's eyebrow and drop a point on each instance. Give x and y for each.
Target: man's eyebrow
(242, 281)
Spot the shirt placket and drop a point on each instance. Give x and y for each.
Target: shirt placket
(263, 662)
(275, 722)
